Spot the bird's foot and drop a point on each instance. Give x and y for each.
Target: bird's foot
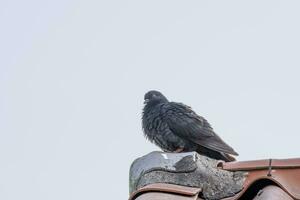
(178, 150)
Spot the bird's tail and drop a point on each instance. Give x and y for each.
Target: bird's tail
(227, 157)
(215, 154)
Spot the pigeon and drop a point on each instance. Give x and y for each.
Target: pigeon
(175, 127)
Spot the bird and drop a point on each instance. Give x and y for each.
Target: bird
(175, 127)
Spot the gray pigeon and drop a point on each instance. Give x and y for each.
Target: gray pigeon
(175, 127)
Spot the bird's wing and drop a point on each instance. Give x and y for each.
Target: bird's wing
(185, 123)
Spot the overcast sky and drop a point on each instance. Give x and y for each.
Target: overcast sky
(73, 75)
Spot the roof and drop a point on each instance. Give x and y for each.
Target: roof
(277, 177)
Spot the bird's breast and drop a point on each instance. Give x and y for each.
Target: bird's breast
(152, 124)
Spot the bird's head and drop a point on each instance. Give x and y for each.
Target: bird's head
(154, 96)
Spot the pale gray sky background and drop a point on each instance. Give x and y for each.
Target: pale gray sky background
(73, 75)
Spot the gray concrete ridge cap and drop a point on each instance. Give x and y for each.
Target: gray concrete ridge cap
(187, 169)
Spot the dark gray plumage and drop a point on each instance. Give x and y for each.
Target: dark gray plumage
(175, 127)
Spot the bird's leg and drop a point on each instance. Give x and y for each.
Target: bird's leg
(180, 149)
